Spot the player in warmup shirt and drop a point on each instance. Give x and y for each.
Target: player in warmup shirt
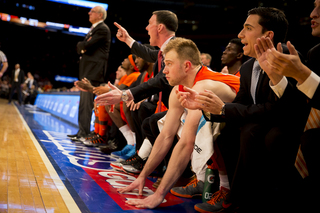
(183, 67)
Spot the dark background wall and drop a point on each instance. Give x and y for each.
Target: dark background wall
(209, 23)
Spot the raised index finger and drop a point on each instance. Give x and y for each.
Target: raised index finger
(118, 25)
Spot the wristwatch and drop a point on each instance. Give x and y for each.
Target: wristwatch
(124, 96)
(223, 110)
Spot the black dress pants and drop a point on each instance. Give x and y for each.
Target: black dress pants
(85, 112)
(260, 167)
(310, 146)
(138, 116)
(16, 86)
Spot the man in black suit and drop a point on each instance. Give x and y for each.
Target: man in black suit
(94, 54)
(17, 79)
(162, 27)
(308, 79)
(259, 141)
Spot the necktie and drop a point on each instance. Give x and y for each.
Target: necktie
(254, 80)
(160, 57)
(312, 122)
(89, 33)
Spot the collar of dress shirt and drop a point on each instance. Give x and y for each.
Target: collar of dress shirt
(95, 24)
(165, 44)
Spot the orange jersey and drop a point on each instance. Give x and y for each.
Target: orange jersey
(237, 74)
(122, 79)
(130, 78)
(205, 73)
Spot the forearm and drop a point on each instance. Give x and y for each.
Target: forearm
(178, 162)
(4, 67)
(303, 74)
(159, 150)
(129, 41)
(181, 153)
(275, 79)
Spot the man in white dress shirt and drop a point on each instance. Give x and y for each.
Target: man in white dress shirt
(281, 66)
(17, 78)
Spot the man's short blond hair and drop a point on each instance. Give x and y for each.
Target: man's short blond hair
(185, 48)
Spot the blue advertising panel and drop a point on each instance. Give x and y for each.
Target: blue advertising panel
(65, 106)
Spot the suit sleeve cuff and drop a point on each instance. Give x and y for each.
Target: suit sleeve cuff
(280, 87)
(131, 43)
(130, 96)
(310, 85)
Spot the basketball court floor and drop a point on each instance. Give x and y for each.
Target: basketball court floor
(42, 170)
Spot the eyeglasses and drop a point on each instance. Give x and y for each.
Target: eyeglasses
(93, 11)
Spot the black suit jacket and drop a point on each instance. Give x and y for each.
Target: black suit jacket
(290, 111)
(153, 85)
(34, 83)
(314, 65)
(20, 77)
(94, 51)
(315, 101)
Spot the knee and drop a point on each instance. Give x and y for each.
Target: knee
(145, 125)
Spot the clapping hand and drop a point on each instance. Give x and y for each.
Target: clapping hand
(101, 90)
(109, 98)
(84, 85)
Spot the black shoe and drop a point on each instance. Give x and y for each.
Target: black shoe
(96, 141)
(111, 146)
(134, 165)
(76, 138)
(90, 135)
(117, 165)
(72, 136)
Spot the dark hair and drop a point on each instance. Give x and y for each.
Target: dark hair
(274, 20)
(168, 18)
(134, 57)
(237, 41)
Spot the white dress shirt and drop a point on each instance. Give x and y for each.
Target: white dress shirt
(308, 87)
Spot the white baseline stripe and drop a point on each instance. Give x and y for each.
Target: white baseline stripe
(69, 201)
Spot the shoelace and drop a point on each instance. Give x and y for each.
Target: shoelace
(217, 196)
(98, 140)
(95, 140)
(131, 159)
(90, 137)
(194, 182)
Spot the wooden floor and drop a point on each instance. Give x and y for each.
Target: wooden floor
(28, 181)
(42, 170)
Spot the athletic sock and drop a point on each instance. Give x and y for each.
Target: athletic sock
(224, 182)
(127, 133)
(145, 149)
